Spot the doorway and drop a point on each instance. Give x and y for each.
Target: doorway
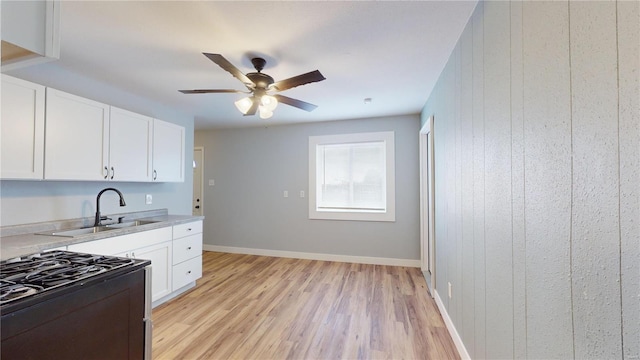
(427, 205)
(197, 208)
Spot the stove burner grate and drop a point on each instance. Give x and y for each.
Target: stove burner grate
(41, 272)
(10, 291)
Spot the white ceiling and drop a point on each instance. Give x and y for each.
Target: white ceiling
(390, 51)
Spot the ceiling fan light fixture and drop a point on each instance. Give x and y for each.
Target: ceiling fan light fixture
(269, 102)
(243, 105)
(265, 113)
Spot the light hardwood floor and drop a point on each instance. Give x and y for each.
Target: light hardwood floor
(256, 307)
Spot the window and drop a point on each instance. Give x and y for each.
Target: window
(352, 177)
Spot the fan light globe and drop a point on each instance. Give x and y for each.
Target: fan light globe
(244, 105)
(265, 113)
(269, 102)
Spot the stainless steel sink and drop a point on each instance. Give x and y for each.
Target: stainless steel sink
(77, 232)
(96, 229)
(130, 224)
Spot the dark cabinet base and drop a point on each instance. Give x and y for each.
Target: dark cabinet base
(101, 320)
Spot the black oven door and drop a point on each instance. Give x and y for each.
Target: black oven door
(101, 319)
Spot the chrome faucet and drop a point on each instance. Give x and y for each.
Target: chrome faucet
(98, 217)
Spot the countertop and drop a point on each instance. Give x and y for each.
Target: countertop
(24, 239)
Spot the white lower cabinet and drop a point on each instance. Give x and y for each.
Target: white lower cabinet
(175, 254)
(155, 245)
(160, 256)
(187, 254)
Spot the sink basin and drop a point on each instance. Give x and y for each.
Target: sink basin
(78, 232)
(96, 229)
(130, 224)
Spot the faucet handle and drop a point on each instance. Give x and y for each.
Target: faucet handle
(120, 219)
(104, 218)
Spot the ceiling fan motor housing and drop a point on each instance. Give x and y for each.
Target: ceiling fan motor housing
(261, 80)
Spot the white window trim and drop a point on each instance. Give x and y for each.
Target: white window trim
(358, 215)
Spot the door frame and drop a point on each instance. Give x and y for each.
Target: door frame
(427, 204)
(201, 149)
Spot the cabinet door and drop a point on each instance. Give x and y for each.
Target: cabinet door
(130, 146)
(22, 125)
(76, 138)
(168, 152)
(161, 267)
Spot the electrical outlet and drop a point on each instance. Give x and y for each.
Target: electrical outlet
(301, 193)
(449, 290)
(148, 199)
(285, 193)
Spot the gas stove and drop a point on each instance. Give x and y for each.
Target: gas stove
(67, 305)
(34, 274)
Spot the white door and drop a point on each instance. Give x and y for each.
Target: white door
(198, 173)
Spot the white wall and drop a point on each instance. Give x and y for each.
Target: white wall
(252, 167)
(34, 201)
(537, 145)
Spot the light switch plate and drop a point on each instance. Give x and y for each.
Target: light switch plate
(212, 182)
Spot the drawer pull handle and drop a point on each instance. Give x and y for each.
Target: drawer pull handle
(106, 172)
(189, 229)
(189, 248)
(189, 272)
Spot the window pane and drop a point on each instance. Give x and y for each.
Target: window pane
(352, 176)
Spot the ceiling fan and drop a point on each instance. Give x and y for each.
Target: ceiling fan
(263, 89)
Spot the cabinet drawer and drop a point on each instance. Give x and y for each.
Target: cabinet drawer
(187, 229)
(186, 248)
(186, 272)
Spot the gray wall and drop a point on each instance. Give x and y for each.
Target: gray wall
(252, 167)
(34, 201)
(537, 138)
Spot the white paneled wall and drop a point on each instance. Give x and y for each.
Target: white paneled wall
(537, 145)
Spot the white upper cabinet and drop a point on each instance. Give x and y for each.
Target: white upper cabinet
(30, 32)
(22, 129)
(130, 147)
(168, 152)
(76, 138)
(52, 135)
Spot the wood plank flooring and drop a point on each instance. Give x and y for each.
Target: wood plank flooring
(256, 307)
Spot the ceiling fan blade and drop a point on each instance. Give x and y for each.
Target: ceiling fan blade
(289, 83)
(295, 103)
(207, 91)
(254, 107)
(229, 67)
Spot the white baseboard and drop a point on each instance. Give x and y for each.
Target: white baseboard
(452, 329)
(314, 256)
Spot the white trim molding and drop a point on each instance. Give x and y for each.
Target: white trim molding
(462, 351)
(315, 256)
